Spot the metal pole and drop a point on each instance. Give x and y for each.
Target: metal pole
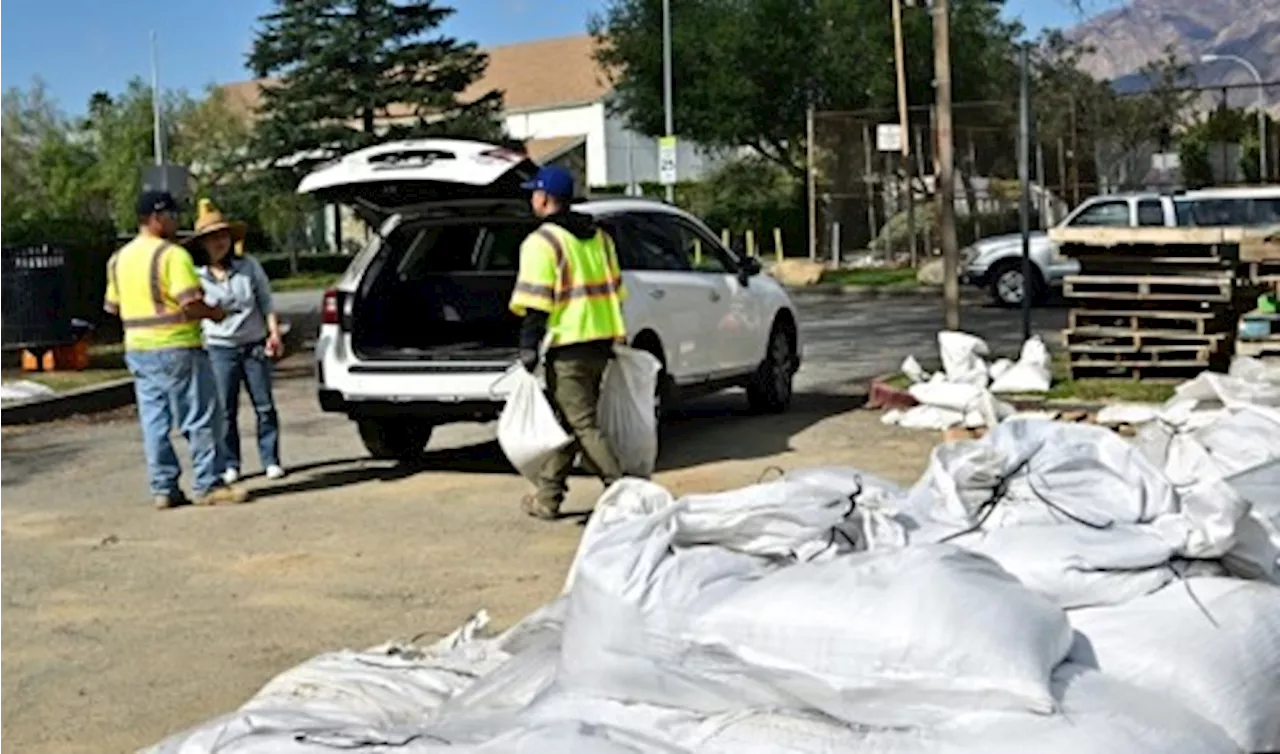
(1024, 177)
(155, 105)
(946, 165)
(811, 180)
(666, 86)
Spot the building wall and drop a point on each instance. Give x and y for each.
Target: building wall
(588, 120)
(633, 157)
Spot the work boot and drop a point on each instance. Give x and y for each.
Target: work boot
(222, 495)
(541, 509)
(171, 500)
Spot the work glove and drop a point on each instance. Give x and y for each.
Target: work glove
(529, 359)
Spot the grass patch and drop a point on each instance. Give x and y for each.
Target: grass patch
(1091, 389)
(892, 277)
(306, 281)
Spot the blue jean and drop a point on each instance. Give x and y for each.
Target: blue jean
(176, 387)
(247, 365)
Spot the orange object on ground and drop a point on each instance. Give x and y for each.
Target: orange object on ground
(73, 357)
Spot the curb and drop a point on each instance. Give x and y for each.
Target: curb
(92, 399)
(866, 291)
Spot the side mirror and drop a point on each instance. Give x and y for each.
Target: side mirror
(749, 268)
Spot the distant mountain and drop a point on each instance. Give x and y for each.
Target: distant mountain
(1131, 36)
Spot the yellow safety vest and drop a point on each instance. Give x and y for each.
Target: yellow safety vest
(577, 283)
(148, 281)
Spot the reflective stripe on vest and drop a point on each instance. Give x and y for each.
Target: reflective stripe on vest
(152, 316)
(586, 297)
(155, 280)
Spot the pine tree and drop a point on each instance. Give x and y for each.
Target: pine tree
(340, 68)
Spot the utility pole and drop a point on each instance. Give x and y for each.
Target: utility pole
(946, 165)
(1024, 178)
(156, 124)
(668, 115)
(903, 124)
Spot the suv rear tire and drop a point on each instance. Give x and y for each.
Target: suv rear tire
(394, 439)
(770, 389)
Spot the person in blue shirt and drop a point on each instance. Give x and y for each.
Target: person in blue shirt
(243, 346)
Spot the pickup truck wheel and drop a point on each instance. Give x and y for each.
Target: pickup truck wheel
(1008, 287)
(394, 439)
(770, 389)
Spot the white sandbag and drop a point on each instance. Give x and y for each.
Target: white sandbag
(962, 357)
(1076, 566)
(627, 411)
(912, 369)
(876, 521)
(1031, 374)
(848, 482)
(1115, 414)
(770, 519)
(1213, 644)
(894, 637)
(1029, 472)
(528, 430)
(1099, 715)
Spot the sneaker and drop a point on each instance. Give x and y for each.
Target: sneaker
(540, 509)
(222, 496)
(275, 471)
(173, 500)
(231, 476)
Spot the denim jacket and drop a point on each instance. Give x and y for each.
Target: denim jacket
(245, 296)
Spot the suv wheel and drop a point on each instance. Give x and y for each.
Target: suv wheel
(1008, 287)
(394, 439)
(770, 389)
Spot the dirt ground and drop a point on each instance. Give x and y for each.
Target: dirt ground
(124, 625)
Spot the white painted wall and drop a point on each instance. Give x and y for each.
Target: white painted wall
(585, 120)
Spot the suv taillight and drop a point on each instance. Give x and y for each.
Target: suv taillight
(331, 309)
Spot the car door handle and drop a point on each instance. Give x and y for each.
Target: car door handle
(657, 293)
(715, 296)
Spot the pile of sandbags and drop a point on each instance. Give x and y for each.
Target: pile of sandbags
(962, 394)
(1050, 587)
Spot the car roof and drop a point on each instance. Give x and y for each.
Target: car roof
(613, 205)
(1234, 192)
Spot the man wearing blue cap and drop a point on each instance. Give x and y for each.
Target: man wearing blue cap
(569, 292)
(153, 287)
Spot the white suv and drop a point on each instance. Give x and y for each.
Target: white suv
(417, 332)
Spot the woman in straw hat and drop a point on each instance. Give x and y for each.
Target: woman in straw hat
(242, 346)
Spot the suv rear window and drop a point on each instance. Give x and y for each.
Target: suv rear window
(463, 247)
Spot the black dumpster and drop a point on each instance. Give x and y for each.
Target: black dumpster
(35, 310)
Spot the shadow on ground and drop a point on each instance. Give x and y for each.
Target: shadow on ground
(714, 429)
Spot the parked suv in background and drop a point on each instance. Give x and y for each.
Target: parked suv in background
(995, 263)
(417, 332)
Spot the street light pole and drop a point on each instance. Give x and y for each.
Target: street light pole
(1262, 108)
(156, 124)
(668, 115)
(946, 164)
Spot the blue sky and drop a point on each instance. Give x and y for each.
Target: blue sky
(80, 46)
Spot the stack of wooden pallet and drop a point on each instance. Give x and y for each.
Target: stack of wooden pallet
(1260, 265)
(1152, 302)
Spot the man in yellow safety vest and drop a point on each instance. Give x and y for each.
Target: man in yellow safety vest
(569, 292)
(153, 287)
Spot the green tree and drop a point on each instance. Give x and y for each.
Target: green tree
(213, 139)
(745, 71)
(342, 66)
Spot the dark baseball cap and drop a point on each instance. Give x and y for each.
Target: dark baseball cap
(155, 202)
(552, 179)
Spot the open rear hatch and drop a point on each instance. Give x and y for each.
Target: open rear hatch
(437, 291)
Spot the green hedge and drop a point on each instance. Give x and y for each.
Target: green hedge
(277, 265)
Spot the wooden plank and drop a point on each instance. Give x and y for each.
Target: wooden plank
(1148, 287)
(1137, 371)
(1127, 236)
(1141, 338)
(1198, 322)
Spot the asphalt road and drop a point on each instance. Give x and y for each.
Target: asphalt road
(847, 338)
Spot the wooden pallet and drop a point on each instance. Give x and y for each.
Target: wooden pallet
(1149, 287)
(1109, 340)
(1137, 370)
(1195, 323)
(1126, 264)
(1270, 347)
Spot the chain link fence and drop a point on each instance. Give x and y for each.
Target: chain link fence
(873, 202)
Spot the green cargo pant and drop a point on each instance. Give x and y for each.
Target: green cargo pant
(574, 376)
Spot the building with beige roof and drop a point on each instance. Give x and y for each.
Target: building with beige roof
(555, 100)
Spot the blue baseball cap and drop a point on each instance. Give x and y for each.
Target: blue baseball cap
(552, 179)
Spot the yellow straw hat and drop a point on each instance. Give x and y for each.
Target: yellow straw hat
(210, 220)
